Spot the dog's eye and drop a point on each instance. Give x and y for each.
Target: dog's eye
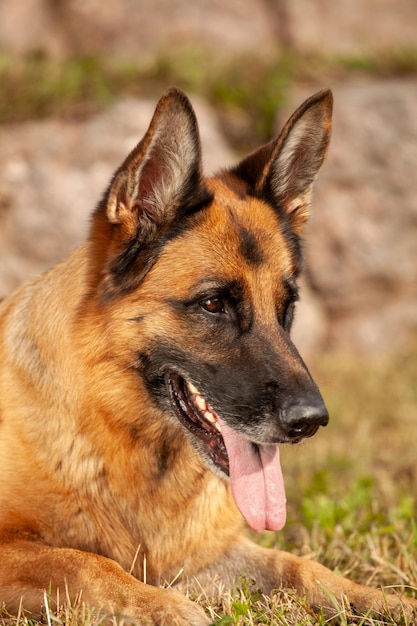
(289, 314)
(213, 305)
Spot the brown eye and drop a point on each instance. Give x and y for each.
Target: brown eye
(213, 305)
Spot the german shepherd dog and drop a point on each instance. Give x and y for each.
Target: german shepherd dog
(146, 381)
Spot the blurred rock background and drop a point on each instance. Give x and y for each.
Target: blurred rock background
(78, 84)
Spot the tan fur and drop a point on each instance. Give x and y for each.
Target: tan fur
(94, 475)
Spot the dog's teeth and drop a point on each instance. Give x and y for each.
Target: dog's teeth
(197, 398)
(209, 417)
(200, 403)
(202, 406)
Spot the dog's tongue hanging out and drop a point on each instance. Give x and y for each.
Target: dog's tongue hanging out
(256, 481)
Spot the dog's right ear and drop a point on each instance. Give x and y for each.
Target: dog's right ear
(157, 186)
(283, 171)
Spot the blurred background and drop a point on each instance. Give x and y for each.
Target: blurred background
(78, 84)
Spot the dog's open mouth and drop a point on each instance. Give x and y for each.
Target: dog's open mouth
(199, 418)
(254, 469)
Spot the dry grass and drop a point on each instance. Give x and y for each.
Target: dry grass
(352, 493)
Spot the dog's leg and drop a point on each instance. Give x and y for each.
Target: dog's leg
(273, 569)
(28, 570)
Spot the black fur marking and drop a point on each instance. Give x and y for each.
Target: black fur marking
(251, 168)
(128, 268)
(249, 247)
(293, 241)
(138, 319)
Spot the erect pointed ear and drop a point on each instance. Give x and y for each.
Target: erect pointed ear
(161, 177)
(284, 169)
(157, 186)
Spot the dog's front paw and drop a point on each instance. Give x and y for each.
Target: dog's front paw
(162, 607)
(176, 610)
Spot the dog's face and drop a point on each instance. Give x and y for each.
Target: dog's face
(226, 291)
(204, 272)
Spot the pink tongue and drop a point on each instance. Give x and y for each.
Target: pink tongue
(256, 481)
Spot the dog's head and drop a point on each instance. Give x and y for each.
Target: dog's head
(204, 274)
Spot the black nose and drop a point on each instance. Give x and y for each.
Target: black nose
(302, 418)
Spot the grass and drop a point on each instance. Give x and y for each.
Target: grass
(36, 86)
(352, 494)
(246, 91)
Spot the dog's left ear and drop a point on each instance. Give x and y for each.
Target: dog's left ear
(284, 169)
(161, 176)
(157, 186)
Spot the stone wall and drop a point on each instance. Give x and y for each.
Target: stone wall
(142, 27)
